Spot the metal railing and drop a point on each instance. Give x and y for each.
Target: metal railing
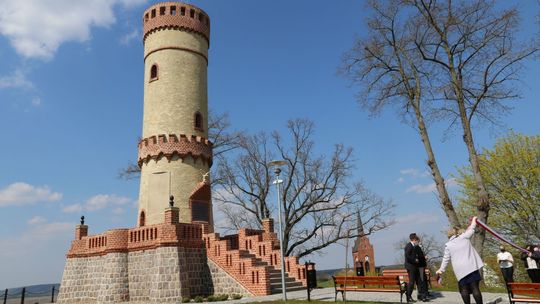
(23, 294)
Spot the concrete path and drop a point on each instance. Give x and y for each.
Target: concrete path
(327, 294)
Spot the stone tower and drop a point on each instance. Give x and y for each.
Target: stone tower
(174, 154)
(362, 251)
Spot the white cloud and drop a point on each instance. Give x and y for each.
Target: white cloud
(36, 28)
(101, 201)
(23, 193)
(415, 173)
(16, 80)
(129, 37)
(76, 208)
(36, 220)
(430, 188)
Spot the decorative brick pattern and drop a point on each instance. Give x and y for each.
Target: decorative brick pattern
(177, 16)
(264, 244)
(225, 284)
(155, 147)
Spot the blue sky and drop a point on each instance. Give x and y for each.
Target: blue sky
(71, 90)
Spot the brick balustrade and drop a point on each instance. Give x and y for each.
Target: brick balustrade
(170, 233)
(244, 269)
(229, 253)
(264, 244)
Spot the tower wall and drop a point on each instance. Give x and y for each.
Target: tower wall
(176, 41)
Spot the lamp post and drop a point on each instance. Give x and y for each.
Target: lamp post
(277, 164)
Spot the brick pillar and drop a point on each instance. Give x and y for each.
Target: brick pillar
(268, 225)
(81, 231)
(172, 215)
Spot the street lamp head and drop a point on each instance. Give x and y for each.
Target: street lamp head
(277, 163)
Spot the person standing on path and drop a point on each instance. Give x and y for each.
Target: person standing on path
(422, 278)
(506, 263)
(411, 264)
(466, 263)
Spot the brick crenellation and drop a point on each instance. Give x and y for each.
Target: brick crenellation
(176, 15)
(162, 145)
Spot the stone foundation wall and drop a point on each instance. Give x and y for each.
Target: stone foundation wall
(160, 275)
(223, 283)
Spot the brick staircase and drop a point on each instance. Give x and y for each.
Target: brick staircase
(251, 257)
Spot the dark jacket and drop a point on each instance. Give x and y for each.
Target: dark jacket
(411, 259)
(420, 256)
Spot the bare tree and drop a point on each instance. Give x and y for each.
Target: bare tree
(319, 199)
(433, 249)
(472, 46)
(219, 133)
(387, 68)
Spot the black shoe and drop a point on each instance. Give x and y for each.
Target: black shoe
(411, 300)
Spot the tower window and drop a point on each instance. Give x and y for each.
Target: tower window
(162, 10)
(142, 219)
(192, 13)
(154, 72)
(200, 211)
(173, 10)
(198, 122)
(183, 11)
(153, 13)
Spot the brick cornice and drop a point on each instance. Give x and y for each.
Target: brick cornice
(178, 48)
(199, 23)
(157, 146)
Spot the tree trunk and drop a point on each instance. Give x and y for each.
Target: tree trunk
(446, 203)
(483, 196)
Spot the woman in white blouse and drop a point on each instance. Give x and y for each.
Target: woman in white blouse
(466, 263)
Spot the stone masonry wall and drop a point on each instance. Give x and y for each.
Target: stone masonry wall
(160, 275)
(224, 284)
(85, 278)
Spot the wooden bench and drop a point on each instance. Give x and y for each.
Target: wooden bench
(404, 276)
(523, 292)
(368, 284)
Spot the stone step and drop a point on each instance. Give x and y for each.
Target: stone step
(278, 279)
(278, 290)
(287, 284)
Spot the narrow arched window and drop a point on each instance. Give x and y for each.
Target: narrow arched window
(154, 72)
(198, 122)
(142, 219)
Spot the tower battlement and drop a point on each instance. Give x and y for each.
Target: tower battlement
(169, 145)
(176, 15)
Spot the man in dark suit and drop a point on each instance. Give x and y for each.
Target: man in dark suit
(411, 264)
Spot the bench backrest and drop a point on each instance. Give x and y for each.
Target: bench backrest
(367, 281)
(524, 288)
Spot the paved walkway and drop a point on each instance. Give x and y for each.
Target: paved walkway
(327, 294)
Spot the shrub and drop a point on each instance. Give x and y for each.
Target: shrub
(236, 296)
(211, 298)
(198, 299)
(222, 297)
(186, 300)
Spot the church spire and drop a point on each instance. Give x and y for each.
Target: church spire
(359, 224)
